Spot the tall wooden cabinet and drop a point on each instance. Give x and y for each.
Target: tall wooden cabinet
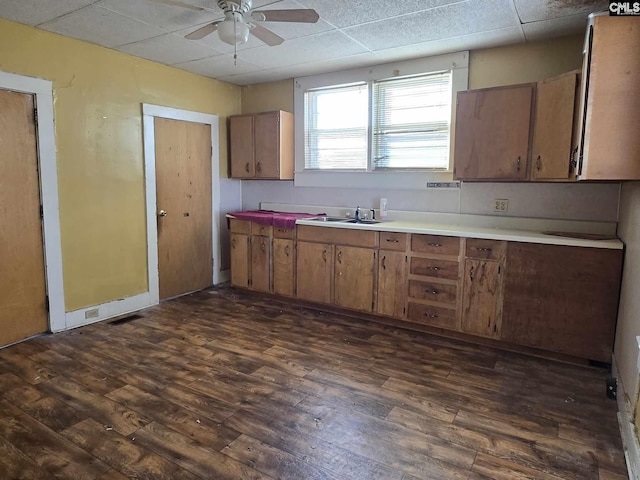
(284, 261)
(392, 274)
(261, 145)
(610, 103)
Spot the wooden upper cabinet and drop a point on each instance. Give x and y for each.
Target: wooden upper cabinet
(553, 128)
(492, 133)
(610, 103)
(261, 145)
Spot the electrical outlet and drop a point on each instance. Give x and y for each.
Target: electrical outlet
(93, 313)
(501, 205)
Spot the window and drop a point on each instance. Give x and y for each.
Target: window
(409, 119)
(378, 127)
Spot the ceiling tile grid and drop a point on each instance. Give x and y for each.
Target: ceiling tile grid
(350, 33)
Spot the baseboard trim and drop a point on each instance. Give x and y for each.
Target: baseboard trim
(115, 308)
(627, 428)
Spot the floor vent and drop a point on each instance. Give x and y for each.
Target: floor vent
(127, 319)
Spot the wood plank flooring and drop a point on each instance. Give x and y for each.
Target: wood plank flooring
(225, 385)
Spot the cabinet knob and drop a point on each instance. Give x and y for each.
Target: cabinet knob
(286, 250)
(162, 213)
(324, 256)
(539, 163)
(393, 240)
(435, 244)
(430, 315)
(471, 274)
(484, 249)
(433, 292)
(258, 167)
(233, 243)
(518, 164)
(435, 269)
(263, 247)
(339, 257)
(384, 262)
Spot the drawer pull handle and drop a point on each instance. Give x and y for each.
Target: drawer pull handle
(484, 249)
(258, 167)
(538, 163)
(435, 269)
(434, 292)
(471, 274)
(435, 244)
(518, 164)
(233, 243)
(263, 247)
(384, 262)
(430, 315)
(286, 250)
(246, 167)
(324, 256)
(339, 257)
(393, 240)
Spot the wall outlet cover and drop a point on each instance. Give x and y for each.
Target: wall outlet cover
(93, 313)
(501, 205)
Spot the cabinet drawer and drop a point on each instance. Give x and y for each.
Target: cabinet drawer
(393, 241)
(262, 230)
(430, 315)
(240, 226)
(431, 267)
(485, 249)
(340, 236)
(436, 244)
(436, 292)
(279, 232)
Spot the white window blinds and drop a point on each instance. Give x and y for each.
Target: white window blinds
(411, 122)
(336, 128)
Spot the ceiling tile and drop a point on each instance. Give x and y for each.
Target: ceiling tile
(168, 49)
(167, 17)
(536, 10)
(35, 12)
(438, 23)
(350, 13)
(315, 48)
(555, 28)
(101, 26)
(218, 66)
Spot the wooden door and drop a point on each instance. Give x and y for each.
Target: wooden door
(354, 269)
(482, 299)
(23, 310)
(183, 185)
(492, 133)
(260, 263)
(240, 260)
(283, 267)
(314, 268)
(553, 128)
(392, 283)
(241, 146)
(267, 145)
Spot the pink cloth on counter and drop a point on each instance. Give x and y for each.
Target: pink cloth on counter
(269, 217)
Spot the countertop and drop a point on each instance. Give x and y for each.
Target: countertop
(455, 230)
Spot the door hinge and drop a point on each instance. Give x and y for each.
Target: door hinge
(499, 269)
(406, 259)
(35, 114)
(372, 306)
(41, 212)
(404, 310)
(46, 303)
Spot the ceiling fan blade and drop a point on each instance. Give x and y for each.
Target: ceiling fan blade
(266, 35)
(177, 3)
(302, 15)
(203, 31)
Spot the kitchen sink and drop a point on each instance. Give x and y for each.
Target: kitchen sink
(364, 222)
(328, 219)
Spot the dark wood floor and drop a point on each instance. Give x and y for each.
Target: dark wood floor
(221, 385)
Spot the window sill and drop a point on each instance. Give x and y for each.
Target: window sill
(404, 180)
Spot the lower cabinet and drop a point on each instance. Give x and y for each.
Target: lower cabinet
(314, 269)
(240, 260)
(392, 283)
(354, 269)
(260, 263)
(563, 299)
(283, 266)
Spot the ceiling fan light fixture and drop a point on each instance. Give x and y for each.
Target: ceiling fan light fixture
(233, 30)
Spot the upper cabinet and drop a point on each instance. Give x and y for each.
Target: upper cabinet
(492, 133)
(261, 145)
(610, 100)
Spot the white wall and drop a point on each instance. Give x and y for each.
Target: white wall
(595, 201)
(626, 347)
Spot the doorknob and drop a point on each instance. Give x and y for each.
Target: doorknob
(162, 213)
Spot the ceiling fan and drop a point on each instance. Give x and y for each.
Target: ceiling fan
(240, 20)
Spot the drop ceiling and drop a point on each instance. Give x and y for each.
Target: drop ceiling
(350, 33)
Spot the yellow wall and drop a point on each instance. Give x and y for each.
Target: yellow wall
(489, 67)
(98, 95)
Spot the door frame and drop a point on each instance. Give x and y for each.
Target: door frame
(42, 90)
(149, 112)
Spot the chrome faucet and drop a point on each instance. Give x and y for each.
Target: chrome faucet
(373, 213)
(357, 213)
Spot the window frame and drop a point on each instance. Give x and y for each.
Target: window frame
(400, 178)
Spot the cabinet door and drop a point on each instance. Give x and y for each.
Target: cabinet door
(553, 128)
(563, 299)
(267, 145)
(240, 260)
(482, 299)
(492, 133)
(260, 256)
(241, 146)
(610, 148)
(392, 283)
(354, 278)
(283, 267)
(314, 268)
